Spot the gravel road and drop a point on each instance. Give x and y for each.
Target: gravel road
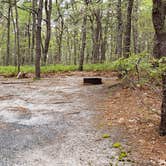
(53, 122)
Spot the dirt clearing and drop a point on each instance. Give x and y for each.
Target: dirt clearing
(61, 122)
(53, 122)
(137, 112)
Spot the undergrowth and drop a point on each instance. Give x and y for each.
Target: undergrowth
(55, 68)
(142, 67)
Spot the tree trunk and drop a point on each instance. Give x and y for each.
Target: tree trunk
(159, 13)
(38, 39)
(48, 10)
(97, 37)
(69, 47)
(59, 37)
(82, 51)
(29, 38)
(18, 38)
(127, 35)
(92, 35)
(34, 4)
(59, 42)
(8, 34)
(135, 27)
(104, 40)
(75, 47)
(15, 38)
(163, 108)
(119, 29)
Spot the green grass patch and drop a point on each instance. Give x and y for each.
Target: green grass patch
(136, 66)
(8, 70)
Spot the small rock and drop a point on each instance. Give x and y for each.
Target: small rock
(121, 120)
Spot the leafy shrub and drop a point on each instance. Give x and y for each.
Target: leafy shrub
(140, 65)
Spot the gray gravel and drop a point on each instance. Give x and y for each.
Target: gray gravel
(52, 122)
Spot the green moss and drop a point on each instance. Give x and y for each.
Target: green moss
(106, 136)
(117, 145)
(122, 155)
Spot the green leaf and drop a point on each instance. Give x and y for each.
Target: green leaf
(106, 136)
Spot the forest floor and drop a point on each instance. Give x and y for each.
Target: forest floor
(58, 121)
(137, 112)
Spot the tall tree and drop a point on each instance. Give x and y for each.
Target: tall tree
(28, 31)
(97, 35)
(159, 14)
(60, 31)
(48, 11)
(8, 33)
(105, 38)
(38, 39)
(15, 38)
(135, 27)
(82, 51)
(127, 35)
(119, 29)
(34, 5)
(75, 20)
(83, 41)
(18, 37)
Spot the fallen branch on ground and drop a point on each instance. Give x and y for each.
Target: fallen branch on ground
(21, 82)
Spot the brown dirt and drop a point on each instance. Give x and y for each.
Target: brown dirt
(137, 111)
(74, 73)
(51, 122)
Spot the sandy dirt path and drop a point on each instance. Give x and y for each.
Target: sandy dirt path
(52, 122)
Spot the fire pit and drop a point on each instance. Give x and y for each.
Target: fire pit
(94, 81)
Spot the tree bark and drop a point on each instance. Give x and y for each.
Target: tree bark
(82, 51)
(75, 47)
(135, 27)
(8, 34)
(34, 5)
(69, 46)
(59, 36)
(38, 39)
(127, 35)
(159, 13)
(48, 10)
(59, 43)
(18, 39)
(104, 39)
(15, 38)
(29, 37)
(97, 36)
(163, 108)
(119, 29)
